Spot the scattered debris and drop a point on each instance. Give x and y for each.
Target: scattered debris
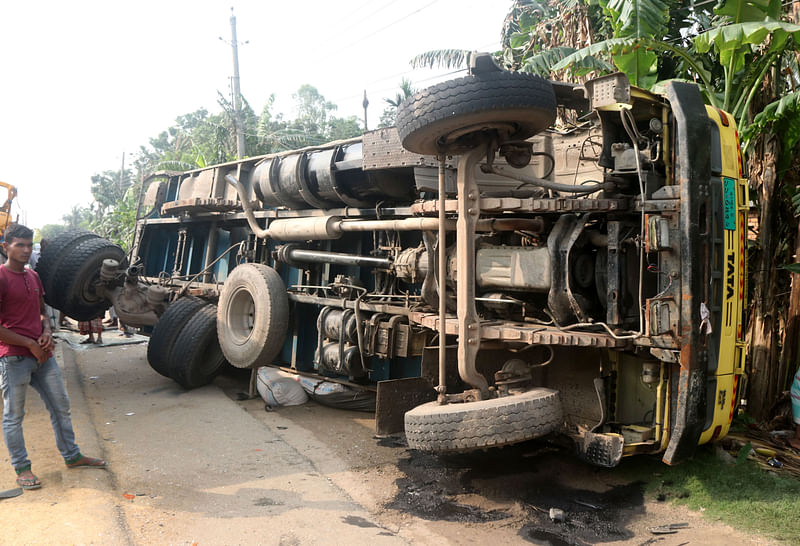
(588, 505)
(662, 530)
(557, 514)
(11, 493)
(670, 529)
(775, 463)
(279, 388)
(763, 447)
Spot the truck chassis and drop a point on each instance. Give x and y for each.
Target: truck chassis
(490, 278)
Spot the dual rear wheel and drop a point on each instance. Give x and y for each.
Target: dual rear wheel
(69, 268)
(193, 339)
(183, 345)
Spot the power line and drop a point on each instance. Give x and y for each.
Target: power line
(390, 24)
(493, 45)
(329, 40)
(384, 89)
(383, 7)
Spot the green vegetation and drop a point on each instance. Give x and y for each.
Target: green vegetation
(198, 139)
(741, 495)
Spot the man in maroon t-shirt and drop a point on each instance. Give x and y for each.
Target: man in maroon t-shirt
(26, 357)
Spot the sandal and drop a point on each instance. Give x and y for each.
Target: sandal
(87, 341)
(28, 481)
(84, 461)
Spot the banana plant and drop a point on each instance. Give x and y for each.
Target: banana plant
(746, 38)
(783, 118)
(638, 27)
(747, 50)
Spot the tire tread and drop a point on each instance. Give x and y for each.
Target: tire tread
(502, 421)
(166, 331)
(196, 357)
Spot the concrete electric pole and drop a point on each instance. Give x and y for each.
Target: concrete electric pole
(241, 150)
(365, 103)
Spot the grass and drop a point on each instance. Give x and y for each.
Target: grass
(741, 495)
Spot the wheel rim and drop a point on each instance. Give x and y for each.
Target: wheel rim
(241, 316)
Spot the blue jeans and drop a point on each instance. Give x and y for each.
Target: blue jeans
(16, 372)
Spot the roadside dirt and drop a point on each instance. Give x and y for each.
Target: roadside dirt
(202, 467)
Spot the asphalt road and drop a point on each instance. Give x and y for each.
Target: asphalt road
(202, 467)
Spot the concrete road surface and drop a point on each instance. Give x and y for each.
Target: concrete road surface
(201, 467)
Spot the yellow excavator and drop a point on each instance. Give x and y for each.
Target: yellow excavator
(5, 210)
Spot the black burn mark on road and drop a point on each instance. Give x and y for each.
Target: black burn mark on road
(590, 516)
(529, 475)
(428, 489)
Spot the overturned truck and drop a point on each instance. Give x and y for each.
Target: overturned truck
(491, 278)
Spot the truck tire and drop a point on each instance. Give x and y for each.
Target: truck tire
(52, 256)
(488, 423)
(196, 357)
(448, 116)
(74, 283)
(166, 331)
(253, 316)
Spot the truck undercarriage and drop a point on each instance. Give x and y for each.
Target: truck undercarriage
(492, 278)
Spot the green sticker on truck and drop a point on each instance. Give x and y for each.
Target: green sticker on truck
(729, 198)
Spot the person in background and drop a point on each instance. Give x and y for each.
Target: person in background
(92, 327)
(26, 358)
(50, 313)
(34, 259)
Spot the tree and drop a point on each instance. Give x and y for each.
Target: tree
(271, 130)
(315, 123)
(119, 224)
(310, 125)
(109, 187)
(77, 218)
(48, 231)
(390, 112)
(343, 128)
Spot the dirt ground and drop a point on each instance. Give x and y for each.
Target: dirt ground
(203, 467)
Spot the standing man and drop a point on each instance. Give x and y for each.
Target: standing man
(26, 357)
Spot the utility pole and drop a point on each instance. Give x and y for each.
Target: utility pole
(365, 103)
(121, 176)
(237, 106)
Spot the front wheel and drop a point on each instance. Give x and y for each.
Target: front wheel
(495, 422)
(453, 116)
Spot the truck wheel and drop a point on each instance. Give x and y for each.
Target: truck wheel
(487, 423)
(166, 332)
(74, 283)
(196, 356)
(448, 116)
(52, 256)
(253, 315)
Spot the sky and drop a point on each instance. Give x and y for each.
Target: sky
(86, 82)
